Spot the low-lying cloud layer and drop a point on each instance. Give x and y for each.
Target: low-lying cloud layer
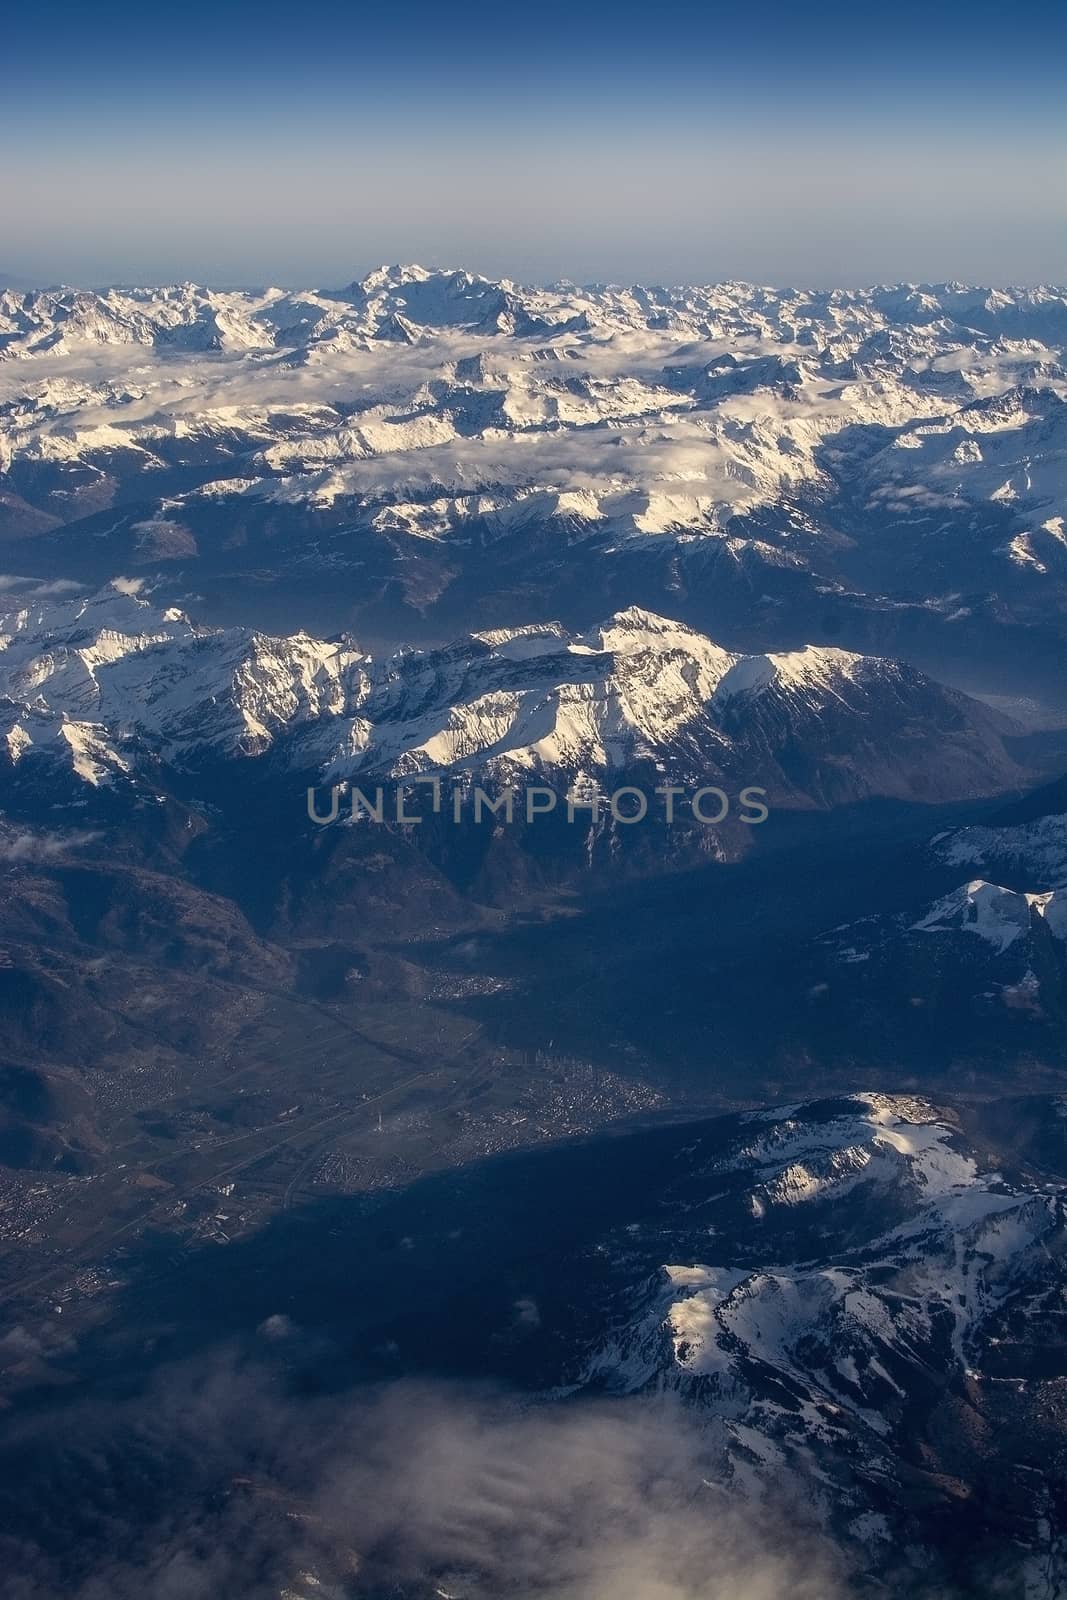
(219, 1484)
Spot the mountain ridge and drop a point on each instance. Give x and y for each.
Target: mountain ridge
(104, 676)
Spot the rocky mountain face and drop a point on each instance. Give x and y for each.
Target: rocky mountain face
(109, 687)
(857, 1297)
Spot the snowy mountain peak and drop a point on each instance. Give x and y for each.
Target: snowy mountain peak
(999, 916)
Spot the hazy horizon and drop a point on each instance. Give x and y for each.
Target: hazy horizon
(22, 283)
(802, 145)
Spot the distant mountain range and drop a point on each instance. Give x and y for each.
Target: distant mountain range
(425, 452)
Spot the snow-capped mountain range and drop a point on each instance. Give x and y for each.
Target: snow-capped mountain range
(104, 684)
(879, 467)
(443, 379)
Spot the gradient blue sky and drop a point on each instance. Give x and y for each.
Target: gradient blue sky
(660, 142)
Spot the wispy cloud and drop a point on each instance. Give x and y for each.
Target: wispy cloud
(23, 846)
(37, 588)
(214, 1485)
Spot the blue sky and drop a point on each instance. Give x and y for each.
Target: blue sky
(782, 143)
